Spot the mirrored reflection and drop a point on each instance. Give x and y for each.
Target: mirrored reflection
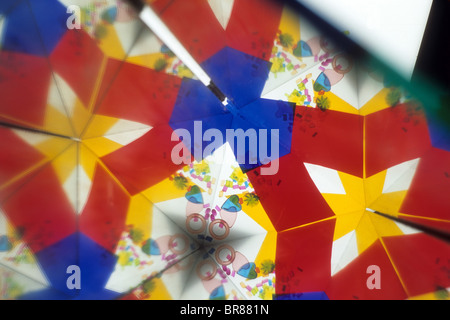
(93, 205)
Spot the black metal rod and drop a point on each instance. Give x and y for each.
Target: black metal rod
(33, 130)
(137, 4)
(440, 234)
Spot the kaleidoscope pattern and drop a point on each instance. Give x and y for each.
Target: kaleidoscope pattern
(93, 205)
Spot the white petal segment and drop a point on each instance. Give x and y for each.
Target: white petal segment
(326, 180)
(399, 177)
(345, 250)
(222, 9)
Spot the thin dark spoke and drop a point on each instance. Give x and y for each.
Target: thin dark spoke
(440, 234)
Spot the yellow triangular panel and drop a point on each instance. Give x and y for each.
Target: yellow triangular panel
(389, 202)
(139, 216)
(377, 103)
(160, 291)
(267, 251)
(338, 104)
(166, 190)
(257, 213)
(101, 146)
(346, 223)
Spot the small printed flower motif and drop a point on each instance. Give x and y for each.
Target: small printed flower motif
(180, 182)
(323, 103)
(251, 199)
(148, 286)
(160, 64)
(394, 96)
(286, 40)
(267, 266)
(136, 235)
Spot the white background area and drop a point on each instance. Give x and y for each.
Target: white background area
(392, 30)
